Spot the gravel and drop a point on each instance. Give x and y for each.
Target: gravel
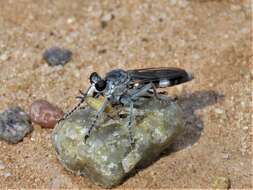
(57, 56)
(45, 114)
(14, 125)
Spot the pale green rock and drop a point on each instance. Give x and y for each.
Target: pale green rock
(221, 182)
(107, 156)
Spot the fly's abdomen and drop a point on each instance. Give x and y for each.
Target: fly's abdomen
(163, 83)
(175, 80)
(162, 77)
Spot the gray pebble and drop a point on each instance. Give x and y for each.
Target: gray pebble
(14, 125)
(57, 56)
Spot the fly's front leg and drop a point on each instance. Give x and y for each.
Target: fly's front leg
(82, 97)
(98, 114)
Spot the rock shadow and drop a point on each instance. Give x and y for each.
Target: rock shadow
(194, 124)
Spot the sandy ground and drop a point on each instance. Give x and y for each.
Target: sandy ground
(210, 38)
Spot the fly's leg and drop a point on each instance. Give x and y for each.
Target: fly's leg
(129, 100)
(98, 114)
(130, 122)
(133, 96)
(145, 90)
(159, 96)
(154, 91)
(136, 93)
(82, 98)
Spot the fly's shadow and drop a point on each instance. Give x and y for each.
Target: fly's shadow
(194, 125)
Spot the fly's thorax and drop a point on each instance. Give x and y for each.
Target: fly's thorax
(117, 77)
(115, 90)
(117, 81)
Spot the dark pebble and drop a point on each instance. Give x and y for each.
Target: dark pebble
(14, 125)
(45, 114)
(57, 56)
(102, 51)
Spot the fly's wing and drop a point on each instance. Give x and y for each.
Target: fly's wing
(161, 77)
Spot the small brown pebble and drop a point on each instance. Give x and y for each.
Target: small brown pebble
(45, 114)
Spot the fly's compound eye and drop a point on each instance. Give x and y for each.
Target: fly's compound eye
(94, 77)
(100, 85)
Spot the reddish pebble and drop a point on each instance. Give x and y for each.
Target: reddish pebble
(45, 114)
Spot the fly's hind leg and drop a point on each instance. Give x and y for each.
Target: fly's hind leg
(160, 97)
(145, 90)
(130, 123)
(133, 96)
(129, 100)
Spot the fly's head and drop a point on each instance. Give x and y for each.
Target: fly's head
(114, 83)
(98, 84)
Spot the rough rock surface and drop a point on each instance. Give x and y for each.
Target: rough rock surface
(14, 125)
(107, 156)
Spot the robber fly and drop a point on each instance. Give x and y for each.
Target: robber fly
(120, 87)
